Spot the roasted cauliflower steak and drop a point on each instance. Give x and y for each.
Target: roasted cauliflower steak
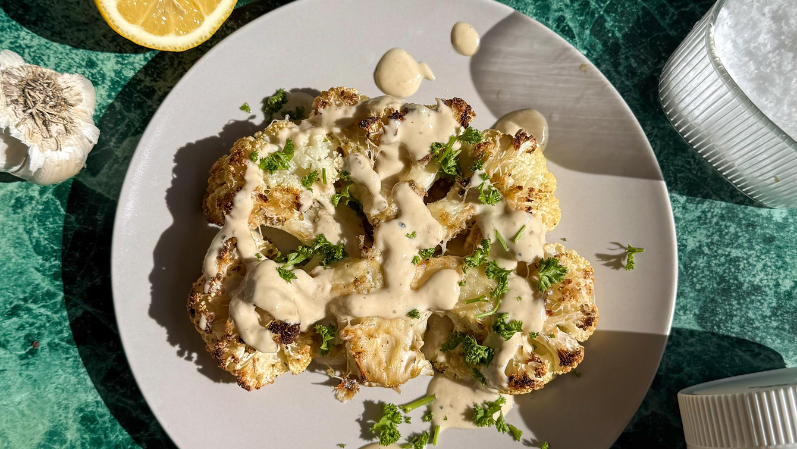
(413, 231)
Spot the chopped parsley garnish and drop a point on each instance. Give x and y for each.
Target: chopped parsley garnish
(545, 445)
(550, 273)
(519, 298)
(475, 354)
(414, 314)
(551, 336)
(417, 403)
(344, 196)
(274, 103)
(427, 416)
(324, 175)
(478, 165)
(418, 442)
(436, 432)
(500, 423)
(501, 240)
(519, 233)
(501, 276)
(407, 420)
(478, 257)
(320, 247)
(341, 445)
(387, 426)
(479, 376)
(416, 260)
(488, 195)
(577, 373)
(482, 298)
(564, 239)
(412, 235)
(308, 180)
(471, 136)
(483, 414)
(447, 157)
(533, 335)
(245, 107)
(426, 253)
(462, 283)
(504, 329)
(327, 334)
(516, 433)
(630, 251)
(279, 160)
(345, 176)
(259, 256)
(253, 156)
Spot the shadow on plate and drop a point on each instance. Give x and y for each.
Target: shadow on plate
(510, 76)
(691, 357)
(88, 227)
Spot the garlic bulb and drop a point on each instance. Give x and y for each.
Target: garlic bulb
(46, 124)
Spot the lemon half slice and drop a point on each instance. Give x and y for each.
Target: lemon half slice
(171, 25)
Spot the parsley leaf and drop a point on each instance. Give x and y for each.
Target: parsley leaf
(308, 180)
(320, 247)
(286, 274)
(253, 156)
(476, 354)
(500, 423)
(516, 433)
(471, 136)
(479, 376)
(420, 441)
(407, 420)
(427, 416)
(504, 329)
(418, 403)
(447, 157)
(426, 253)
(501, 276)
(274, 103)
(478, 165)
(483, 414)
(545, 445)
(344, 196)
(533, 335)
(387, 426)
(412, 235)
(327, 334)
(490, 195)
(414, 314)
(436, 432)
(630, 251)
(416, 260)
(341, 445)
(454, 339)
(550, 273)
(478, 257)
(279, 160)
(245, 107)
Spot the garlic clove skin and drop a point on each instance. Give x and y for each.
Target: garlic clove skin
(47, 115)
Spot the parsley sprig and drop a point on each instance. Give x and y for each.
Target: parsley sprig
(500, 276)
(417, 403)
(506, 329)
(279, 160)
(551, 272)
(320, 247)
(414, 314)
(274, 103)
(418, 442)
(475, 354)
(387, 426)
(630, 251)
(307, 181)
(478, 257)
(327, 334)
(447, 156)
(488, 194)
(483, 415)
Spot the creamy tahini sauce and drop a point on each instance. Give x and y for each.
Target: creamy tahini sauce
(530, 120)
(396, 298)
(530, 308)
(399, 74)
(505, 352)
(453, 406)
(465, 39)
(508, 223)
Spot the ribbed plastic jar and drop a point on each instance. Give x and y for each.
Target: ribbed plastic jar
(717, 120)
(745, 412)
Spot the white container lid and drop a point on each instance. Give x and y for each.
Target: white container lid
(751, 411)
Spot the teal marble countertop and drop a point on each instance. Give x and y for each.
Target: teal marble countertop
(63, 374)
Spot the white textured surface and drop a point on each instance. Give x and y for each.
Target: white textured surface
(756, 40)
(756, 416)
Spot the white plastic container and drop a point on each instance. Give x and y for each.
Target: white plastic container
(745, 412)
(716, 118)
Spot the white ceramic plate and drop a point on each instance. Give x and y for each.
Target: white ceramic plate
(609, 182)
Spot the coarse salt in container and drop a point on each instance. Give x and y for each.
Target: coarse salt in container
(730, 90)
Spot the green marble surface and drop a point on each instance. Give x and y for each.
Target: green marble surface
(63, 375)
